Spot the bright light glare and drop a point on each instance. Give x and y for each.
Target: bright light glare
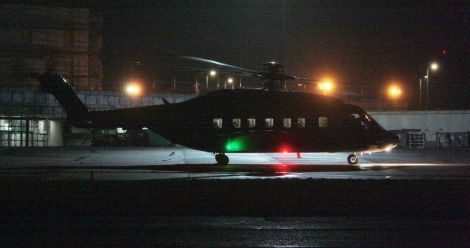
(326, 87)
(133, 89)
(212, 73)
(434, 66)
(230, 80)
(394, 91)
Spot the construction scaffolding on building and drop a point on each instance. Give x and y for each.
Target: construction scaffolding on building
(34, 39)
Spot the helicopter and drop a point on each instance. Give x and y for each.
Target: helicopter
(263, 120)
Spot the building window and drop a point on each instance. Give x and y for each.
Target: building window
(269, 122)
(237, 123)
(323, 122)
(301, 122)
(217, 123)
(251, 122)
(286, 123)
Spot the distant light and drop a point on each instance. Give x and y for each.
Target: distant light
(212, 73)
(394, 91)
(134, 89)
(434, 66)
(230, 80)
(326, 87)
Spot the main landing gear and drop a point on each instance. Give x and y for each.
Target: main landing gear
(352, 159)
(221, 159)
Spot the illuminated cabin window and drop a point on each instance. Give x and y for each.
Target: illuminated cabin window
(236, 123)
(323, 122)
(217, 123)
(287, 123)
(269, 122)
(301, 122)
(251, 122)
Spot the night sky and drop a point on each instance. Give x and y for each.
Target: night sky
(368, 45)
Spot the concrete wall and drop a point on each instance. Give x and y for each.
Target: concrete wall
(430, 122)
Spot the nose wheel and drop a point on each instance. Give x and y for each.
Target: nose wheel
(221, 159)
(352, 159)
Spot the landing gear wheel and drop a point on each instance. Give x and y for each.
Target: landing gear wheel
(221, 159)
(352, 159)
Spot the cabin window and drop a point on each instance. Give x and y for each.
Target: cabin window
(251, 122)
(301, 122)
(269, 122)
(236, 123)
(217, 123)
(286, 123)
(323, 122)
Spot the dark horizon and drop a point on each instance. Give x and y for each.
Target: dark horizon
(365, 46)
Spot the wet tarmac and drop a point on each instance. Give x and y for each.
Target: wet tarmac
(197, 231)
(144, 196)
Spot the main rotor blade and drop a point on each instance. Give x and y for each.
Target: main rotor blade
(220, 65)
(201, 69)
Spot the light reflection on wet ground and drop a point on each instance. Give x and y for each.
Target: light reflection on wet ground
(145, 163)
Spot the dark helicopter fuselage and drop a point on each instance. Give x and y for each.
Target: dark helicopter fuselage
(256, 121)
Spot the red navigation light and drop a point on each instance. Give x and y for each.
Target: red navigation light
(285, 149)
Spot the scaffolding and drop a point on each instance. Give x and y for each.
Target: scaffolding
(34, 39)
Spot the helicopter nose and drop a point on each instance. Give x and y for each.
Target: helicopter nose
(389, 141)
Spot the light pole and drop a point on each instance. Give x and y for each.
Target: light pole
(394, 92)
(230, 82)
(211, 73)
(420, 87)
(433, 66)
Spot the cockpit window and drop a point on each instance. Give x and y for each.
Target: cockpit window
(358, 120)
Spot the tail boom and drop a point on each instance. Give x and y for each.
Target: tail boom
(55, 84)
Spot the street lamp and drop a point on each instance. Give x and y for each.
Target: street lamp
(394, 92)
(211, 73)
(326, 87)
(229, 81)
(434, 67)
(133, 89)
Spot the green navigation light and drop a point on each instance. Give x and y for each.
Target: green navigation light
(234, 146)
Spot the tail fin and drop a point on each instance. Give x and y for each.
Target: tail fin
(56, 85)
